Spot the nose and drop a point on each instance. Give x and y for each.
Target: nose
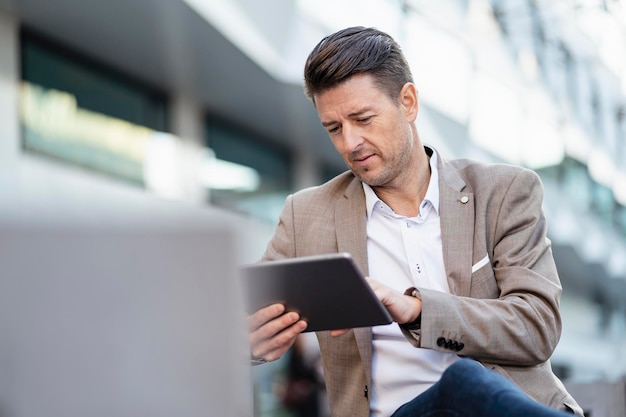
(352, 138)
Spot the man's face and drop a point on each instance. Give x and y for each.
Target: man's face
(369, 130)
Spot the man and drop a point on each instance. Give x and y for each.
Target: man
(456, 251)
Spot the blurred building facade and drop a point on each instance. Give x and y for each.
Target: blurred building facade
(201, 101)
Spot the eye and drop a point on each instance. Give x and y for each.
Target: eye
(364, 119)
(333, 130)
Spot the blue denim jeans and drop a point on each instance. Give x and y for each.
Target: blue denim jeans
(467, 389)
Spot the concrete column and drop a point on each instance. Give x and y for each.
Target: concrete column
(187, 123)
(9, 101)
(306, 170)
(187, 119)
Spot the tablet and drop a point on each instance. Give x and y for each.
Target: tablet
(328, 291)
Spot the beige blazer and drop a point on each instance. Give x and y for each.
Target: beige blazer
(503, 309)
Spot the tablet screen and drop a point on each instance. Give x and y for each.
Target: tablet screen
(328, 291)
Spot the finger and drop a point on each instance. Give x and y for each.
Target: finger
(376, 286)
(264, 315)
(273, 327)
(273, 348)
(338, 332)
(376, 289)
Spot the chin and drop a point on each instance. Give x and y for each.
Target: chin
(369, 180)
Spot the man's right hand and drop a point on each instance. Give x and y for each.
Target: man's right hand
(271, 333)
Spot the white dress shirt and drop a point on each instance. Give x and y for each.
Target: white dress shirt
(404, 252)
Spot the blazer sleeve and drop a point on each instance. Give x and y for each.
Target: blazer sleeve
(282, 245)
(511, 316)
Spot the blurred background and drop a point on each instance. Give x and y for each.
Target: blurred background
(199, 103)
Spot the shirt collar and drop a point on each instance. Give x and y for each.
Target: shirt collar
(432, 193)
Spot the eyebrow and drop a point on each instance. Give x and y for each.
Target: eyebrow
(350, 116)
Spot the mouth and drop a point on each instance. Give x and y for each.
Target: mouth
(362, 158)
(363, 163)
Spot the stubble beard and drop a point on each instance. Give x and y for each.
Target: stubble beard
(390, 169)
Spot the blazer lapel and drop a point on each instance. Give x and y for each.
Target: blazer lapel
(350, 221)
(350, 217)
(457, 227)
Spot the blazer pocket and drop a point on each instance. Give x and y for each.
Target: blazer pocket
(480, 264)
(483, 280)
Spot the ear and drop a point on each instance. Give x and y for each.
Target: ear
(409, 101)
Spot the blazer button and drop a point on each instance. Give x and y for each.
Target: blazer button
(441, 341)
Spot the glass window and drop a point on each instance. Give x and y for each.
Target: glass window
(602, 202)
(576, 182)
(95, 86)
(620, 219)
(329, 172)
(269, 161)
(79, 111)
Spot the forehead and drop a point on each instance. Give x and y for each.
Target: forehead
(358, 91)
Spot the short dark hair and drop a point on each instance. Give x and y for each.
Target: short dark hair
(356, 50)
